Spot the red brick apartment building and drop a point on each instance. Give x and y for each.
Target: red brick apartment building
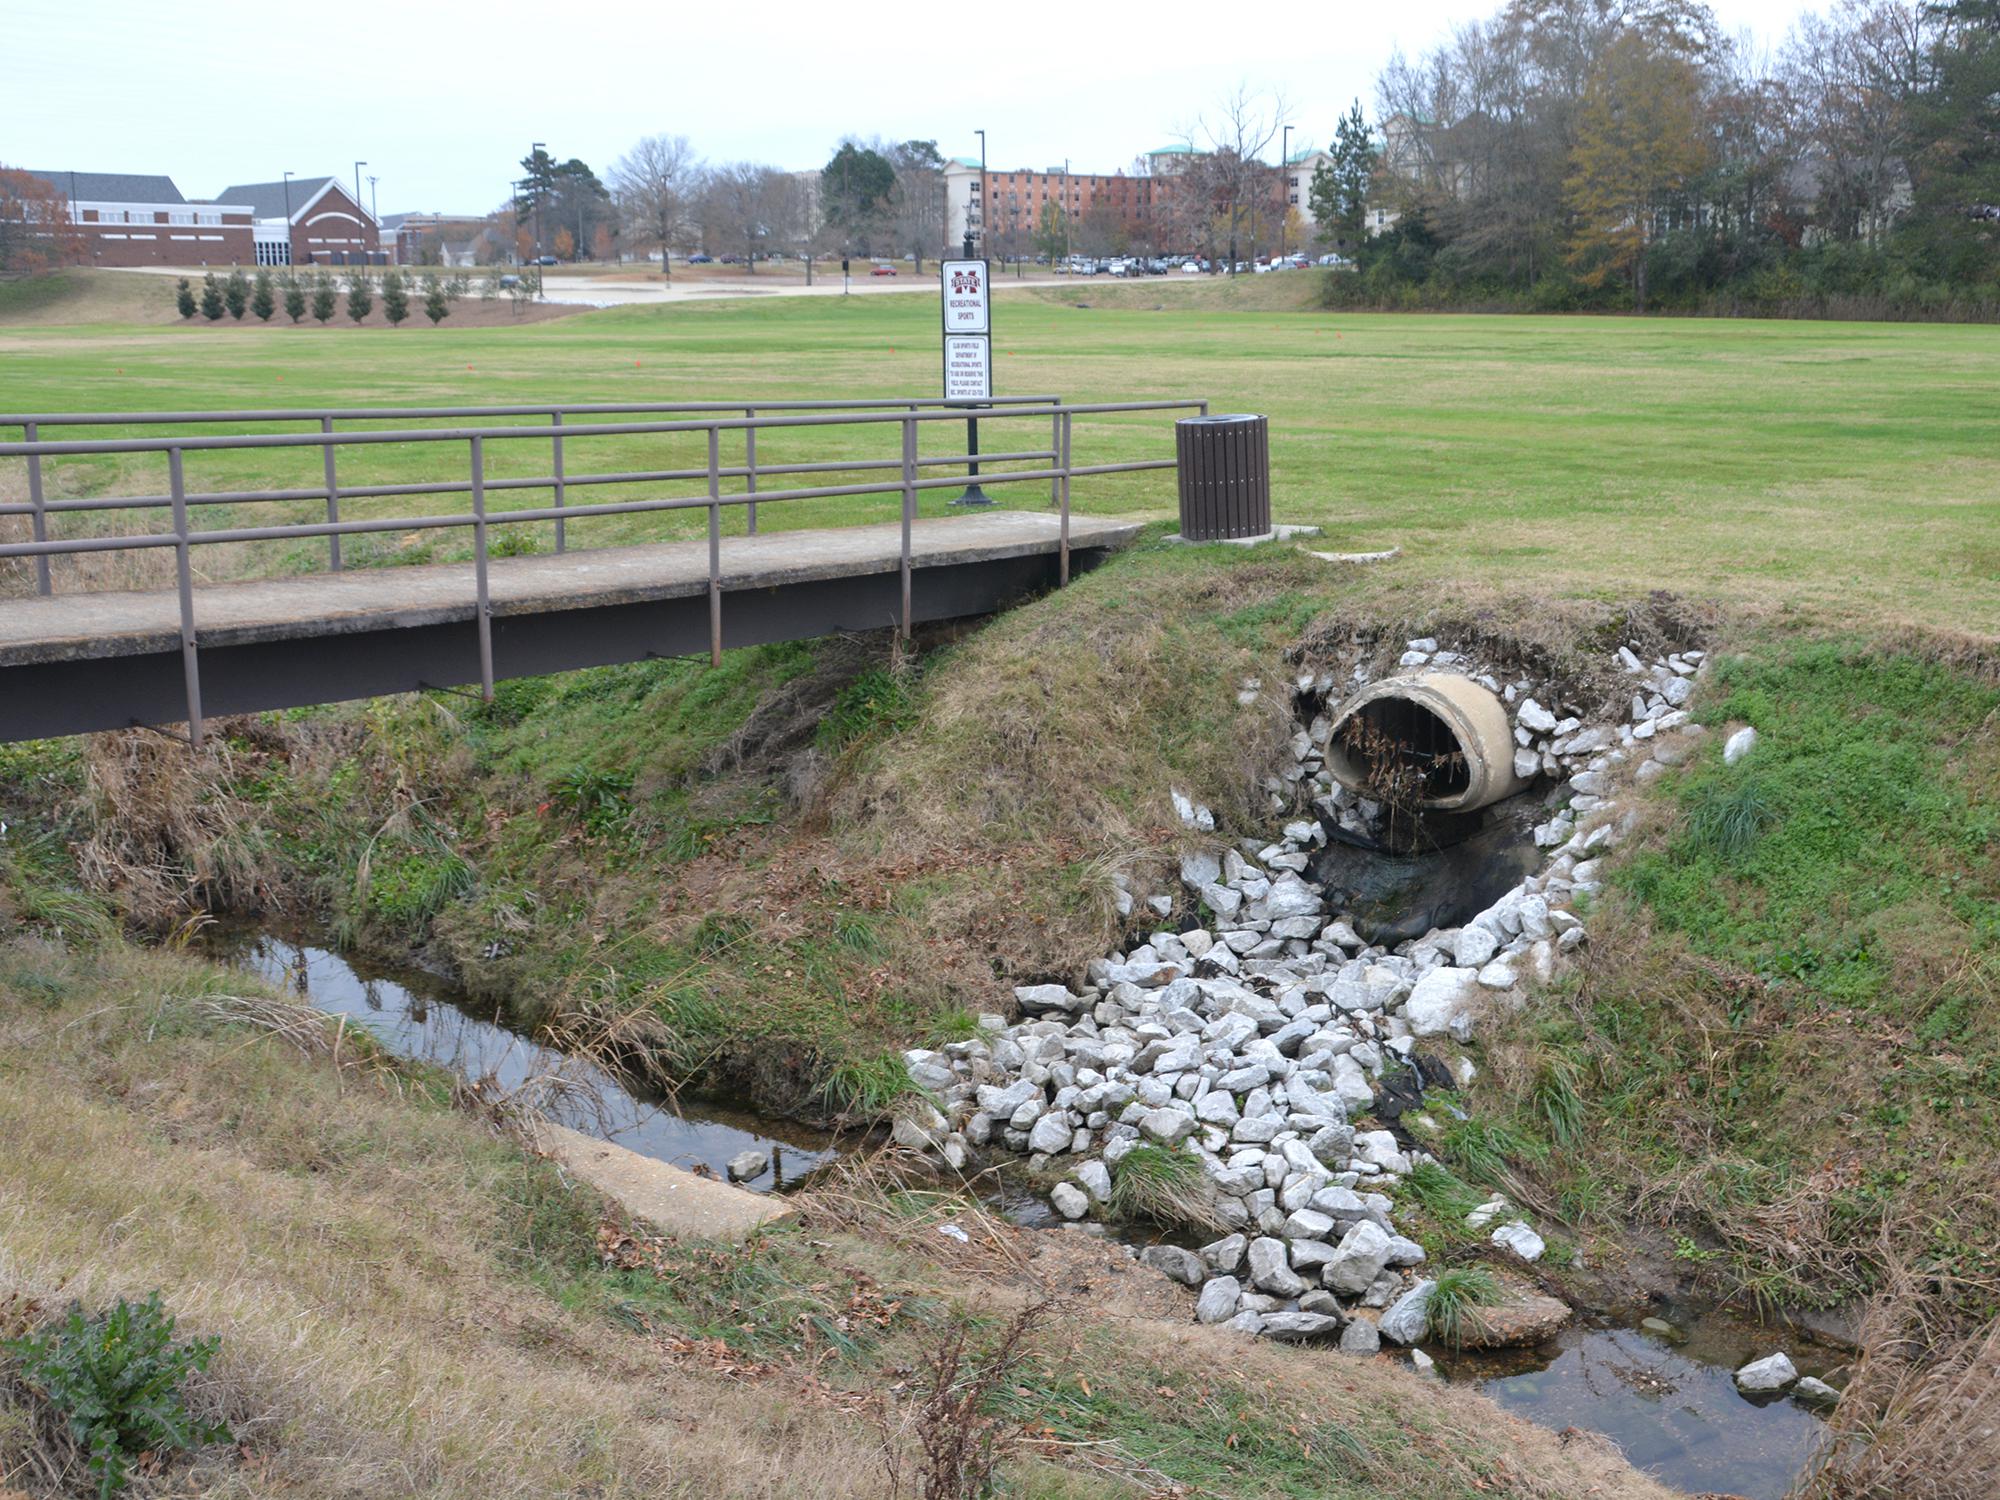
(126, 219)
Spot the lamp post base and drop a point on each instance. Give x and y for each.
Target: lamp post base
(973, 496)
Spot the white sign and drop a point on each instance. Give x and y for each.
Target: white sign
(968, 367)
(965, 296)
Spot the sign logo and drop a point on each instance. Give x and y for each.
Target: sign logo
(965, 281)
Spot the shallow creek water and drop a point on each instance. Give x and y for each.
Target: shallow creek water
(1671, 1407)
(419, 1016)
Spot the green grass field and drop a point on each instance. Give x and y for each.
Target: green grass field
(1848, 470)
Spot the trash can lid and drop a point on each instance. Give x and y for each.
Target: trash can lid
(1236, 416)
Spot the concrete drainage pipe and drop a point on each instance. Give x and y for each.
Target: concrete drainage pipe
(1444, 739)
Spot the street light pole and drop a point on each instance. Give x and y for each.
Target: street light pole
(535, 149)
(1284, 187)
(357, 207)
(1065, 216)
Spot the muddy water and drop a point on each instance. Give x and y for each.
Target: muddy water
(420, 1017)
(1671, 1405)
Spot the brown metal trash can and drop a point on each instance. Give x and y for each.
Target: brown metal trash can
(1225, 473)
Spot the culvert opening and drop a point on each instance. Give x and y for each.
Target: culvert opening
(1403, 753)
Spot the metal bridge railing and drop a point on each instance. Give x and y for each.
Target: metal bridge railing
(1057, 467)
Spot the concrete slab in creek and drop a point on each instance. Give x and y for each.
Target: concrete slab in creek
(677, 1203)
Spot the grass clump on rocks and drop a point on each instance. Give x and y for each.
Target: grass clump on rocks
(1455, 1294)
(1163, 1186)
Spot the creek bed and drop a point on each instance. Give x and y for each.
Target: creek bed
(1671, 1406)
(421, 1017)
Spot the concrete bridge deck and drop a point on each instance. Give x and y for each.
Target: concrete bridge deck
(72, 663)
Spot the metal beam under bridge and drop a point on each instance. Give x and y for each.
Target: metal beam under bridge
(75, 663)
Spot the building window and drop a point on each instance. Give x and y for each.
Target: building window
(179, 216)
(111, 216)
(207, 218)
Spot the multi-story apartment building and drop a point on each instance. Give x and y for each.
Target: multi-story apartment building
(1003, 210)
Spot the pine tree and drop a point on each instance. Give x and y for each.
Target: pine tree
(263, 300)
(1338, 193)
(437, 302)
(325, 298)
(184, 299)
(211, 298)
(295, 296)
(395, 298)
(236, 293)
(360, 295)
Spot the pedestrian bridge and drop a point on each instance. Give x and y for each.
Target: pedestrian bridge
(77, 659)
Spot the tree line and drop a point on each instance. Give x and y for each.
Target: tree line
(660, 199)
(1625, 153)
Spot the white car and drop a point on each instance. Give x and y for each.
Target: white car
(1189, 268)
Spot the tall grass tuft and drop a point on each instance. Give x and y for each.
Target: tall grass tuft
(1557, 1099)
(1164, 1186)
(1454, 1295)
(868, 1087)
(1440, 1194)
(1726, 818)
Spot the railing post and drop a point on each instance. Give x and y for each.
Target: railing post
(1064, 545)
(714, 546)
(1055, 457)
(332, 492)
(909, 427)
(562, 489)
(41, 518)
(750, 462)
(485, 616)
(184, 570)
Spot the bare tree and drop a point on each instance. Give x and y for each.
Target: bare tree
(1232, 188)
(656, 184)
(918, 199)
(750, 205)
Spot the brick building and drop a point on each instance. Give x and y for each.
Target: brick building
(308, 221)
(130, 219)
(1003, 210)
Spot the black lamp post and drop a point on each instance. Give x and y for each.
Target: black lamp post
(357, 207)
(1284, 185)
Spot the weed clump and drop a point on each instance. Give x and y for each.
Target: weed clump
(117, 1380)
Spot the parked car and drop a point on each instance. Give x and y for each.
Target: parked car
(1190, 268)
(883, 271)
(546, 260)
(701, 260)
(507, 283)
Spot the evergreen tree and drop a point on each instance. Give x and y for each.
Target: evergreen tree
(325, 297)
(263, 300)
(211, 298)
(395, 298)
(437, 301)
(360, 295)
(1957, 163)
(184, 299)
(1338, 193)
(236, 293)
(295, 296)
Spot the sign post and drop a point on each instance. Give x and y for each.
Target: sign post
(968, 353)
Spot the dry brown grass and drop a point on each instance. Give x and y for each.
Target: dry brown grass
(354, 1246)
(1920, 1416)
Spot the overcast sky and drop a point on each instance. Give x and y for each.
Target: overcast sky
(442, 105)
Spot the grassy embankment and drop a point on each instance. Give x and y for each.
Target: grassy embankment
(1781, 1036)
(408, 1303)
